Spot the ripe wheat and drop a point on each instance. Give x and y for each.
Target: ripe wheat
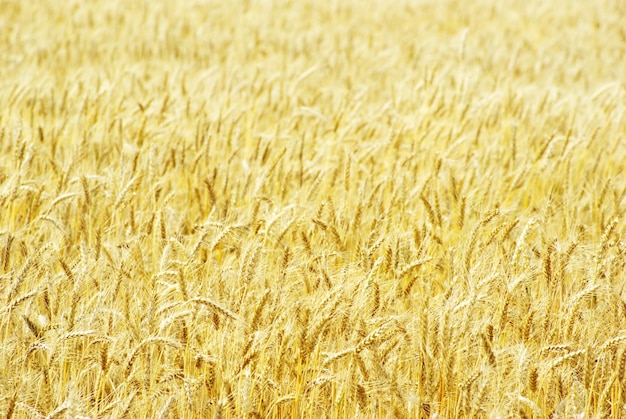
(312, 209)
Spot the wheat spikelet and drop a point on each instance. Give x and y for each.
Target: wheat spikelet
(509, 227)
(362, 367)
(280, 237)
(59, 410)
(121, 197)
(375, 298)
(163, 412)
(318, 382)
(104, 358)
(257, 312)
(337, 238)
(581, 295)
(374, 270)
(149, 225)
(526, 329)
(11, 306)
(429, 210)
(461, 217)
(55, 222)
(20, 278)
(172, 318)
(488, 350)
(504, 312)
(330, 358)
(374, 247)
(60, 199)
(608, 230)
(556, 348)
(162, 229)
(252, 356)
(612, 343)
(438, 210)
(306, 242)
(500, 227)
(33, 327)
(408, 268)
(216, 307)
(11, 406)
(86, 193)
(7, 252)
(620, 366)
(68, 271)
(490, 216)
(249, 264)
(373, 337)
(530, 404)
(361, 396)
(521, 242)
(547, 262)
(566, 357)
(533, 377)
(182, 284)
(470, 248)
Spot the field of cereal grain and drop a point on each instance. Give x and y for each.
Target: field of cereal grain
(301, 209)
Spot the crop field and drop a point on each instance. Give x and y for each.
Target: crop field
(313, 209)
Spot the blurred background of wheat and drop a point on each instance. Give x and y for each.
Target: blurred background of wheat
(312, 209)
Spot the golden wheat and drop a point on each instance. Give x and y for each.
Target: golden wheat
(312, 209)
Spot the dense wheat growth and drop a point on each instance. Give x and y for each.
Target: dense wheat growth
(309, 209)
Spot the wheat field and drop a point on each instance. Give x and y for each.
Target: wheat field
(301, 209)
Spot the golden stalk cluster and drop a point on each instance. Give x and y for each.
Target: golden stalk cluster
(274, 208)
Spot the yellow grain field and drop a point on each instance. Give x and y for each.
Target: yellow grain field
(312, 209)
